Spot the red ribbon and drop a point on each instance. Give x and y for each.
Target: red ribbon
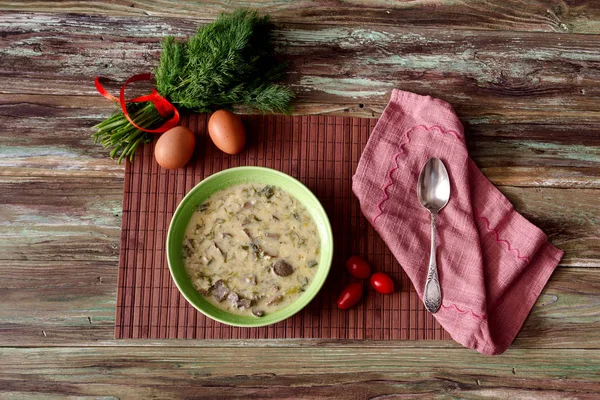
(163, 106)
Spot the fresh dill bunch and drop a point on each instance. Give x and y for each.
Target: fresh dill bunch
(230, 61)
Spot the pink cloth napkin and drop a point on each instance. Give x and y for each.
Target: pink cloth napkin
(492, 262)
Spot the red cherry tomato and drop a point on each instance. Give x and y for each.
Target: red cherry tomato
(382, 283)
(358, 267)
(350, 295)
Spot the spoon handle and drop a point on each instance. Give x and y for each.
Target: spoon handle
(432, 296)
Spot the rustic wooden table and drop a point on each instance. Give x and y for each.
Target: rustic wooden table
(523, 76)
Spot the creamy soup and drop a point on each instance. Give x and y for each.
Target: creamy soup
(251, 249)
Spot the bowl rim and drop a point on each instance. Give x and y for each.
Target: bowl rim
(329, 233)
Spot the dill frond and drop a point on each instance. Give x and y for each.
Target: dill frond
(230, 61)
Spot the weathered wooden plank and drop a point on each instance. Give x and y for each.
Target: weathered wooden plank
(570, 218)
(532, 15)
(493, 77)
(282, 373)
(59, 303)
(50, 136)
(52, 303)
(49, 150)
(59, 250)
(536, 155)
(71, 219)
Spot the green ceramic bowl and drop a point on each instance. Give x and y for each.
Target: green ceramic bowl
(224, 179)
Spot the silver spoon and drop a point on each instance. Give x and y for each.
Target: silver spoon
(433, 191)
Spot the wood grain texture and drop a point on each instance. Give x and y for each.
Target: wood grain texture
(525, 86)
(484, 75)
(50, 136)
(489, 77)
(59, 256)
(74, 305)
(532, 15)
(351, 372)
(70, 219)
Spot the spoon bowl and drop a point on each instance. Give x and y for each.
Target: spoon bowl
(433, 192)
(433, 188)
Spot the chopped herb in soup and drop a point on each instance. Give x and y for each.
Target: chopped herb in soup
(251, 249)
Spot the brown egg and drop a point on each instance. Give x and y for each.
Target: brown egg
(227, 131)
(175, 147)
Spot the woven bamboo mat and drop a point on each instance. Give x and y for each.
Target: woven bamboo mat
(320, 151)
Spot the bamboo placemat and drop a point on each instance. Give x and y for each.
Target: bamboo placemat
(320, 151)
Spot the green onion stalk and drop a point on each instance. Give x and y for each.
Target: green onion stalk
(122, 138)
